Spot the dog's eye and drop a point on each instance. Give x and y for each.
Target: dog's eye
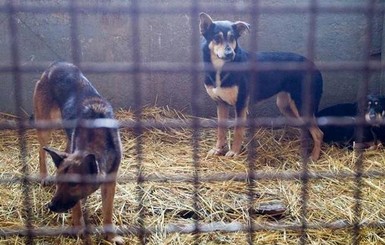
(376, 103)
(72, 184)
(217, 39)
(231, 38)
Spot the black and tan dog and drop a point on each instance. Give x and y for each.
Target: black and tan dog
(64, 93)
(233, 88)
(347, 135)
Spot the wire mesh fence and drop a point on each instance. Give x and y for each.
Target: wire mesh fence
(198, 179)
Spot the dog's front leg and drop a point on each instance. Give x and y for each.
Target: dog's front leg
(78, 222)
(239, 132)
(221, 145)
(43, 137)
(77, 216)
(108, 194)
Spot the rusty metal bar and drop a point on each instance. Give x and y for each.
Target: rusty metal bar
(195, 59)
(18, 88)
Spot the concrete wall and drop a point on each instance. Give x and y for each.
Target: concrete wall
(167, 38)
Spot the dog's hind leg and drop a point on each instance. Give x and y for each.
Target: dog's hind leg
(223, 115)
(288, 108)
(44, 136)
(317, 136)
(45, 109)
(286, 105)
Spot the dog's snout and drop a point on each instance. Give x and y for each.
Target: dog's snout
(60, 207)
(51, 207)
(55, 207)
(228, 52)
(372, 114)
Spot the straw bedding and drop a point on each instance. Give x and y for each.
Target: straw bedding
(170, 152)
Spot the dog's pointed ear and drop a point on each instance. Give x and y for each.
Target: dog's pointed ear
(57, 156)
(241, 27)
(89, 165)
(205, 22)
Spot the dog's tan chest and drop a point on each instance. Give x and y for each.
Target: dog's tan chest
(218, 93)
(228, 95)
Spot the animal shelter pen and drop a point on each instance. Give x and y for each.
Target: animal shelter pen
(253, 210)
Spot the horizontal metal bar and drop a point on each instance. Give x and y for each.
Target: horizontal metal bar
(271, 122)
(8, 178)
(180, 67)
(185, 228)
(134, 68)
(245, 66)
(162, 10)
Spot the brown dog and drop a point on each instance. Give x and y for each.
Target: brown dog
(63, 92)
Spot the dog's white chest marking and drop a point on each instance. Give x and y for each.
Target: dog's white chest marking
(218, 93)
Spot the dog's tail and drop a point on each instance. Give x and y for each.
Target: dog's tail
(317, 86)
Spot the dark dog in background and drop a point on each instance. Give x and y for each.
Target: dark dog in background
(64, 93)
(232, 88)
(346, 136)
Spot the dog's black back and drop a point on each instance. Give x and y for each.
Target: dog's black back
(288, 81)
(74, 95)
(342, 136)
(69, 86)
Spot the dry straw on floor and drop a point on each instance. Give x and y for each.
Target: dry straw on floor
(223, 203)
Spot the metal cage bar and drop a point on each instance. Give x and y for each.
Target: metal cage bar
(194, 67)
(25, 184)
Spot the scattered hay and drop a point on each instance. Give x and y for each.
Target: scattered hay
(169, 152)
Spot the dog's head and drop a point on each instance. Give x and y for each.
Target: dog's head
(375, 112)
(222, 37)
(77, 168)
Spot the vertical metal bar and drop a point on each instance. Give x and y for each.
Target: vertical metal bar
(138, 129)
(16, 72)
(74, 32)
(195, 57)
(76, 59)
(381, 88)
(363, 90)
(306, 113)
(251, 148)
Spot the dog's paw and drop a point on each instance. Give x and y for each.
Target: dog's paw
(217, 151)
(373, 147)
(361, 146)
(231, 154)
(115, 239)
(44, 181)
(314, 156)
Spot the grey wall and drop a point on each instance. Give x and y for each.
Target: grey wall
(167, 38)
